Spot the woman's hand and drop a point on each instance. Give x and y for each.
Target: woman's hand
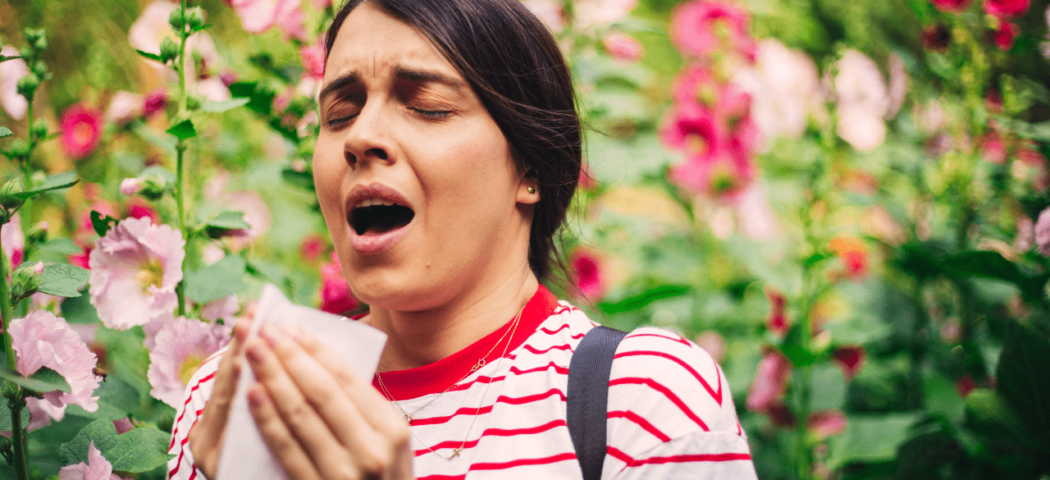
(318, 417)
(207, 434)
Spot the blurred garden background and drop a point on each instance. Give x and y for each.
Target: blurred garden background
(843, 201)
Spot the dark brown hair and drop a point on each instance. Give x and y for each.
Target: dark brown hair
(516, 69)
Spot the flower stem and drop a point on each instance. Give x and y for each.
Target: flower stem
(180, 195)
(18, 438)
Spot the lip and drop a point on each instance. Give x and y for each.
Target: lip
(375, 243)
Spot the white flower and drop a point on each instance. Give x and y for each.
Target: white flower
(784, 87)
(134, 271)
(10, 72)
(124, 107)
(862, 101)
(181, 347)
(862, 129)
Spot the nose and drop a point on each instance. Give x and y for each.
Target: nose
(368, 139)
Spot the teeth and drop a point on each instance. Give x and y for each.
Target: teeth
(368, 202)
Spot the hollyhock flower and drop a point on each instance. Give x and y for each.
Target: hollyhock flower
(257, 16)
(10, 72)
(134, 271)
(992, 148)
(124, 107)
(936, 38)
(1006, 35)
(1042, 232)
(224, 308)
(756, 219)
(313, 60)
(312, 247)
(771, 380)
(256, 215)
(587, 274)
(1006, 8)
(321, 4)
(1045, 46)
(898, 88)
(130, 186)
(81, 131)
(43, 340)
(692, 130)
(859, 83)
(623, 47)
(951, 6)
(123, 425)
(599, 13)
(853, 253)
(336, 296)
(13, 240)
(550, 12)
(180, 348)
(777, 320)
(154, 103)
(851, 359)
(861, 128)
(213, 89)
(826, 423)
(783, 87)
(705, 27)
(713, 344)
(140, 208)
(720, 174)
(96, 468)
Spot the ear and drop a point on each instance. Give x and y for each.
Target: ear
(528, 190)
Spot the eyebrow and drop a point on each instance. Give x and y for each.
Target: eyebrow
(400, 73)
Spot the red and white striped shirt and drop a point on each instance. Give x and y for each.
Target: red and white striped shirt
(671, 413)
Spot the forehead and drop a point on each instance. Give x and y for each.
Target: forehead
(372, 43)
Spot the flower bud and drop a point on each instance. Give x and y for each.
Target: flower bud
(27, 85)
(39, 130)
(25, 280)
(41, 43)
(35, 38)
(176, 19)
(40, 69)
(26, 52)
(9, 192)
(153, 187)
(19, 149)
(169, 50)
(130, 186)
(38, 233)
(193, 102)
(195, 18)
(9, 390)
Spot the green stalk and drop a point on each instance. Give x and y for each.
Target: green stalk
(18, 438)
(6, 310)
(180, 150)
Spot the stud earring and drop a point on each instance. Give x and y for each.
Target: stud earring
(532, 190)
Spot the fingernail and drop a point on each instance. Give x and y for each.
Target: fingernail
(255, 397)
(297, 332)
(269, 334)
(256, 353)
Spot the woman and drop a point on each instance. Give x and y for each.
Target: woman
(448, 154)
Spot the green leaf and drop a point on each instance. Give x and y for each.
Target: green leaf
(63, 280)
(150, 56)
(184, 130)
(1023, 378)
(117, 399)
(59, 246)
(983, 263)
(54, 182)
(79, 310)
(828, 381)
(299, 179)
(5, 417)
(44, 380)
(5, 132)
(989, 415)
(102, 223)
(220, 279)
(637, 302)
(795, 348)
(229, 220)
(101, 432)
(209, 106)
(869, 439)
(139, 450)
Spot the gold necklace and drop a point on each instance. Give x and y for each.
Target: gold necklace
(479, 364)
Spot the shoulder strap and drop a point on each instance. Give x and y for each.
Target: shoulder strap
(587, 401)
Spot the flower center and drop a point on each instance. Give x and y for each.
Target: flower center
(83, 133)
(189, 366)
(152, 274)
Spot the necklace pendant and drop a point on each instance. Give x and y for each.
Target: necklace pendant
(408, 418)
(455, 453)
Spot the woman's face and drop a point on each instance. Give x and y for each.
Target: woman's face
(415, 179)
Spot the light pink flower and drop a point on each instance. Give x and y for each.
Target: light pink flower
(859, 83)
(134, 271)
(771, 379)
(600, 13)
(756, 219)
(257, 16)
(826, 423)
(43, 340)
(623, 47)
(336, 296)
(124, 107)
(181, 347)
(313, 60)
(13, 240)
(861, 128)
(784, 87)
(256, 215)
(1042, 232)
(713, 344)
(720, 174)
(588, 274)
(320, 4)
(130, 186)
(213, 88)
(10, 72)
(703, 27)
(550, 12)
(96, 468)
(898, 88)
(81, 131)
(224, 308)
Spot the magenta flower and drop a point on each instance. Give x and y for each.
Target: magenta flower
(313, 60)
(1006, 8)
(10, 72)
(134, 271)
(14, 242)
(771, 379)
(154, 103)
(720, 174)
(851, 359)
(43, 340)
(81, 131)
(96, 468)
(587, 273)
(704, 28)
(336, 296)
(951, 6)
(181, 347)
(1006, 35)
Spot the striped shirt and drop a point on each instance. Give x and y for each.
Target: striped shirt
(670, 412)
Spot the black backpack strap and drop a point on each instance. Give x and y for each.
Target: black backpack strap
(587, 401)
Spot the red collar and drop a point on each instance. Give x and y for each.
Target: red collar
(442, 374)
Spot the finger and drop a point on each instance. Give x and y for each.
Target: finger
(361, 393)
(371, 449)
(206, 435)
(295, 412)
(278, 438)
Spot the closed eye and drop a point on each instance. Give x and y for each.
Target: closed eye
(431, 114)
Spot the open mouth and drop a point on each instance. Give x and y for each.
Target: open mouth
(379, 219)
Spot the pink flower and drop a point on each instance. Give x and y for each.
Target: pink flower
(756, 219)
(588, 274)
(550, 12)
(1042, 232)
(853, 254)
(692, 130)
(713, 344)
(321, 4)
(134, 271)
(130, 186)
(140, 208)
(703, 28)
(14, 242)
(224, 308)
(777, 321)
(721, 174)
(96, 468)
(336, 296)
(43, 340)
(154, 103)
(256, 215)
(862, 129)
(313, 60)
(10, 72)
(952, 6)
(257, 16)
(599, 13)
(851, 359)
(1006, 35)
(81, 131)
(770, 382)
(124, 107)
(1006, 8)
(312, 247)
(826, 423)
(181, 347)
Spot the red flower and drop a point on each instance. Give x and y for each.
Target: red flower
(953, 6)
(1006, 8)
(81, 131)
(336, 296)
(965, 384)
(587, 272)
(851, 359)
(1005, 36)
(853, 253)
(777, 321)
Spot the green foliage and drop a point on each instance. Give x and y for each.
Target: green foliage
(139, 450)
(870, 439)
(43, 381)
(63, 280)
(5, 132)
(218, 280)
(183, 130)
